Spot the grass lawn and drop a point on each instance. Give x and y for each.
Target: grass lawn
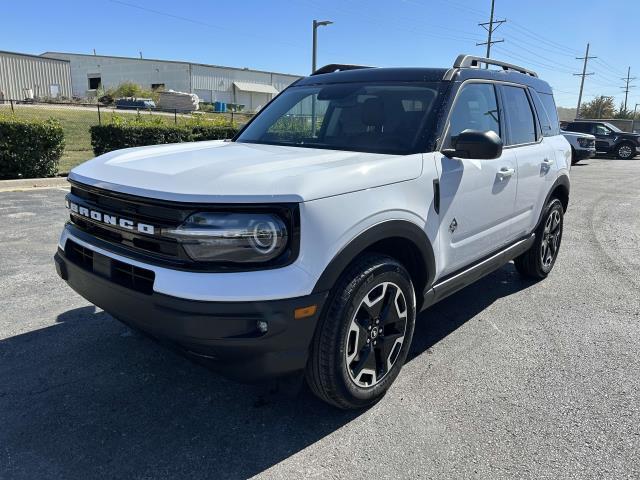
(76, 120)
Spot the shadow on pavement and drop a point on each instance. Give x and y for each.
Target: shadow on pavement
(90, 398)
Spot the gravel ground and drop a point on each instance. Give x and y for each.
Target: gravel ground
(507, 378)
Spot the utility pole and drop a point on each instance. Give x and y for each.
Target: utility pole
(626, 88)
(583, 74)
(491, 26)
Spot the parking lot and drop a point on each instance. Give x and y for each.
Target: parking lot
(506, 379)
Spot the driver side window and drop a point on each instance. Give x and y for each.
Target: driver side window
(476, 108)
(601, 130)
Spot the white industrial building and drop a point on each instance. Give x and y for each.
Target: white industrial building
(25, 76)
(212, 83)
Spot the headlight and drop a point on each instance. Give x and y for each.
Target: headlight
(584, 142)
(231, 237)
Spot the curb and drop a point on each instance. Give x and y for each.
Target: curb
(29, 183)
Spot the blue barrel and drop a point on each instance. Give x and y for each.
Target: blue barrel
(217, 106)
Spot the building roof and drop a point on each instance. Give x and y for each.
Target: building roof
(33, 56)
(166, 61)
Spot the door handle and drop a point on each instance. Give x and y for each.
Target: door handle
(506, 172)
(547, 162)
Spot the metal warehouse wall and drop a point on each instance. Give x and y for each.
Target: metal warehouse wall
(213, 84)
(18, 72)
(113, 71)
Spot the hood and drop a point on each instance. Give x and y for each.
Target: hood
(218, 171)
(577, 134)
(627, 135)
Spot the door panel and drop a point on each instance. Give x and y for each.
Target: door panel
(535, 158)
(476, 199)
(536, 164)
(476, 208)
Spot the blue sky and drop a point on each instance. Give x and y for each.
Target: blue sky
(275, 35)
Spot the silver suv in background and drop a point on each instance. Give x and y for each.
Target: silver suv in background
(583, 145)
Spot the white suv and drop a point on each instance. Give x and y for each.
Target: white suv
(356, 199)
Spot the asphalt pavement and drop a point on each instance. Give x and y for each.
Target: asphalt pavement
(506, 379)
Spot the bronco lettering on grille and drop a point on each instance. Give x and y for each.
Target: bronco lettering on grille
(107, 219)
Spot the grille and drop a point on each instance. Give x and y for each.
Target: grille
(111, 203)
(128, 276)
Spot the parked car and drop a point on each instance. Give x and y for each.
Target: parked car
(583, 145)
(310, 243)
(609, 138)
(135, 103)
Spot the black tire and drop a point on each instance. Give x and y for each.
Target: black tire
(625, 151)
(535, 263)
(329, 371)
(573, 156)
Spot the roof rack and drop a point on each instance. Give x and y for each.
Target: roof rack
(337, 67)
(470, 61)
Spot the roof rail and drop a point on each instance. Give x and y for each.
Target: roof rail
(337, 67)
(470, 61)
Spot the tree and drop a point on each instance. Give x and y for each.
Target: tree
(623, 112)
(601, 106)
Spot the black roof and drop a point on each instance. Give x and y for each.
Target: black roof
(417, 74)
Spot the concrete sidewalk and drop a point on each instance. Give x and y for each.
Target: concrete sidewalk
(29, 183)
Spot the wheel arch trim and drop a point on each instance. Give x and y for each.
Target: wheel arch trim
(389, 229)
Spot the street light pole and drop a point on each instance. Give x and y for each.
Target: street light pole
(314, 54)
(316, 24)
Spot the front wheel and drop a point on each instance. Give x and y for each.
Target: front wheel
(538, 261)
(364, 335)
(574, 156)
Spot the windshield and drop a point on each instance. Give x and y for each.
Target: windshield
(613, 127)
(378, 118)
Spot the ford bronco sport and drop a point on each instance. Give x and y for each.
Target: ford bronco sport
(308, 244)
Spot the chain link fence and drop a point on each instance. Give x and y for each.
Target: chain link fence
(77, 118)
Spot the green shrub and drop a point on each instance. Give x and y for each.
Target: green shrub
(105, 138)
(138, 131)
(29, 148)
(212, 132)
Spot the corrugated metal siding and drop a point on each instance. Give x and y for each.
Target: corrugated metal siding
(216, 84)
(18, 72)
(211, 83)
(114, 71)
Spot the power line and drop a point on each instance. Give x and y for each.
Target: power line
(583, 74)
(491, 26)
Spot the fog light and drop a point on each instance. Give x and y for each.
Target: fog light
(262, 326)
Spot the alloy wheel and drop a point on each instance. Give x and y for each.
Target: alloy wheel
(625, 151)
(550, 239)
(376, 334)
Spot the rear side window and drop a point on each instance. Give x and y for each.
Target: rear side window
(476, 108)
(519, 116)
(552, 113)
(547, 113)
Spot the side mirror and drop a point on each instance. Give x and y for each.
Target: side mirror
(475, 144)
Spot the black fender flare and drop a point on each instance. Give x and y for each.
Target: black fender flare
(562, 180)
(402, 229)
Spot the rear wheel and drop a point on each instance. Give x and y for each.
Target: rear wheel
(625, 151)
(538, 261)
(364, 335)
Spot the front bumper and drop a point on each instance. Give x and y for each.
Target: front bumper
(583, 154)
(223, 334)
